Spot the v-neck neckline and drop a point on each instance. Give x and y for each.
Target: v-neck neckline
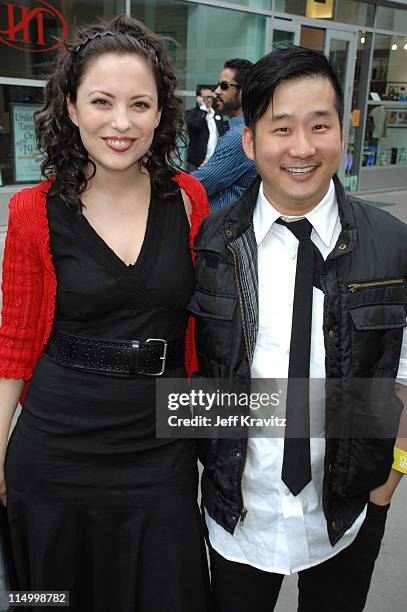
(102, 247)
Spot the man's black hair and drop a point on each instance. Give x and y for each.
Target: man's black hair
(284, 65)
(241, 67)
(200, 87)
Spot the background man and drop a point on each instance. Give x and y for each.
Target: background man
(229, 171)
(204, 125)
(305, 281)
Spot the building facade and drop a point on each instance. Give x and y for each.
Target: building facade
(366, 40)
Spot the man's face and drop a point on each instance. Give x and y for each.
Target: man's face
(228, 100)
(205, 97)
(297, 144)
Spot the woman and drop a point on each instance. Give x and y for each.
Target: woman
(97, 273)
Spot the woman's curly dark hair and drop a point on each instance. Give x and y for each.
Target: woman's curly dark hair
(66, 161)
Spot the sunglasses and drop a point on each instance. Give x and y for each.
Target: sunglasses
(224, 85)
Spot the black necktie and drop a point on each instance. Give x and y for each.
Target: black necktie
(296, 472)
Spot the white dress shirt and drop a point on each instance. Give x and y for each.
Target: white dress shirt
(213, 133)
(284, 533)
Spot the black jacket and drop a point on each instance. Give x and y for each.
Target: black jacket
(198, 134)
(365, 306)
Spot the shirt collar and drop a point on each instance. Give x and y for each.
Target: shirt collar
(236, 121)
(322, 218)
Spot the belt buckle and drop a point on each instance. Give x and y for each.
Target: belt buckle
(163, 357)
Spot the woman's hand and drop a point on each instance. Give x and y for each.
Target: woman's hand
(10, 392)
(3, 496)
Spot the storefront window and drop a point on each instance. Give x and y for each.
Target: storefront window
(389, 67)
(391, 19)
(345, 11)
(386, 122)
(30, 31)
(355, 134)
(19, 159)
(264, 4)
(205, 36)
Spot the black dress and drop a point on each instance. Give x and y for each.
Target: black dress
(99, 506)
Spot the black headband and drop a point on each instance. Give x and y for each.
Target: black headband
(87, 39)
(138, 37)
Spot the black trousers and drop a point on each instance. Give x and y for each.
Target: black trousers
(340, 584)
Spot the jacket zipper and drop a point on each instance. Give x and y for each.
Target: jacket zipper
(354, 287)
(244, 510)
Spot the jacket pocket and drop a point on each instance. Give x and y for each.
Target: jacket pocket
(378, 316)
(375, 284)
(212, 306)
(214, 324)
(370, 411)
(377, 333)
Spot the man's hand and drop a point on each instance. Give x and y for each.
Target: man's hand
(208, 101)
(383, 494)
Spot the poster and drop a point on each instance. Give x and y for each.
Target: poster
(26, 156)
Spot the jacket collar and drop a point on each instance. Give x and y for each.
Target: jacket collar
(347, 237)
(240, 214)
(239, 217)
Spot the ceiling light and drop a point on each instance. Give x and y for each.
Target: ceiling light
(394, 47)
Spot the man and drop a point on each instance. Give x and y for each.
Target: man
(204, 128)
(304, 281)
(229, 171)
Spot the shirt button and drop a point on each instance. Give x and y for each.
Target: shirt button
(238, 455)
(287, 491)
(18, 302)
(334, 525)
(288, 351)
(294, 256)
(332, 333)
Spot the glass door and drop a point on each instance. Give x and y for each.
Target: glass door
(340, 48)
(283, 33)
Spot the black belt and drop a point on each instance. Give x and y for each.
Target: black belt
(115, 356)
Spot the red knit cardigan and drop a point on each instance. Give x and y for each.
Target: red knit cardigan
(29, 282)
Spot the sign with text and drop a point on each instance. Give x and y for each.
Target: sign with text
(26, 156)
(35, 26)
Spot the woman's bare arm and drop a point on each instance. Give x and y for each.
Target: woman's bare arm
(10, 392)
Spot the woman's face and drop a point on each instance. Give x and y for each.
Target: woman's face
(116, 110)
